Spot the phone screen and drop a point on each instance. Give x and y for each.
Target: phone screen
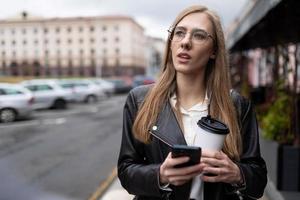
(193, 152)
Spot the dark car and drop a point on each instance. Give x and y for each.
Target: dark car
(120, 85)
(142, 80)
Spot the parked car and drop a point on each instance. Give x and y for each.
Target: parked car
(15, 102)
(107, 86)
(48, 93)
(121, 86)
(142, 80)
(83, 90)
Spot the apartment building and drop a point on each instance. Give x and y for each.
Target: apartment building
(73, 46)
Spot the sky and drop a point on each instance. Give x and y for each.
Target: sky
(154, 15)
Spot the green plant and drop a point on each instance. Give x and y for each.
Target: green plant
(276, 122)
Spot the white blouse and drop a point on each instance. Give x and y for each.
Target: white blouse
(191, 130)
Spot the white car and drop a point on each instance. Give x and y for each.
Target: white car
(15, 102)
(48, 93)
(83, 90)
(108, 87)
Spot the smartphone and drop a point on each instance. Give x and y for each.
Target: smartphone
(193, 152)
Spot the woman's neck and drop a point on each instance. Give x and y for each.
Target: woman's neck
(190, 89)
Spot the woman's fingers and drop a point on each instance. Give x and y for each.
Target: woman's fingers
(178, 176)
(221, 166)
(185, 171)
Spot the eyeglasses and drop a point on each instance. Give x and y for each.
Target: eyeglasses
(198, 36)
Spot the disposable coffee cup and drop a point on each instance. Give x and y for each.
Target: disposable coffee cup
(211, 133)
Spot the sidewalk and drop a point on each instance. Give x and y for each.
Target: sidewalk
(115, 191)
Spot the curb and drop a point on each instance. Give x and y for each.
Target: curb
(104, 186)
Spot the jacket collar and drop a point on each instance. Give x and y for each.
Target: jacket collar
(167, 128)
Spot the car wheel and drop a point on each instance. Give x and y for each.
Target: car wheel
(91, 99)
(60, 104)
(8, 115)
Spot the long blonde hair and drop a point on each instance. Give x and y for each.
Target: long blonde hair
(217, 81)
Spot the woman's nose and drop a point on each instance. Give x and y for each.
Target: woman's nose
(186, 42)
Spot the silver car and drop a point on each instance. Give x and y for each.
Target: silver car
(15, 102)
(48, 93)
(83, 90)
(108, 87)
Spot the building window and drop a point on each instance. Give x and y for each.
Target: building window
(35, 31)
(3, 53)
(117, 50)
(58, 41)
(13, 31)
(104, 40)
(14, 53)
(57, 29)
(69, 29)
(80, 29)
(69, 41)
(116, 27)
(3, 42)
(92, 51)
(81, 52)
(117, 39)
(24, 42)
(46, 41)
(36, 42)
(45, 30)
(13, 42)
(104, 28)
(46, 52)
(92, 28)
(24, 31)
(80, 40)
(92, 40)
(70, 52)
(104, 51)
(58, 52)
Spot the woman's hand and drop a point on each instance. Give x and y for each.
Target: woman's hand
(177, 176)
(221, 166)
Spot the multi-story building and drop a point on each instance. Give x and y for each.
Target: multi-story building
(75, 46)
(154, 56)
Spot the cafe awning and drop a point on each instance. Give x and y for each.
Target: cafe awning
(268, 22)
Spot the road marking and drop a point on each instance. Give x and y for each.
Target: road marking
(60, 120)
(103, 186)
(17, 124)
(35, 123)
(54, 121)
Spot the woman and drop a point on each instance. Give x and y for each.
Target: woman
(195, 74)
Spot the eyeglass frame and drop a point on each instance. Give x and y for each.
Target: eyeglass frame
(172, 29)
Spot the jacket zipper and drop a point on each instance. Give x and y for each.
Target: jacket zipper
(159, 138)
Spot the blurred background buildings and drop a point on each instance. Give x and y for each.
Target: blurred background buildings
(76, 46)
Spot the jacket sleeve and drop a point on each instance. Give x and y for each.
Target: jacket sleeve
(252, 165)
(136, 176)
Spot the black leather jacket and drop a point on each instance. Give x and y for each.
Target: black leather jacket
(138, 164)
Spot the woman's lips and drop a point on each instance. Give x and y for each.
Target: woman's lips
(183, 58)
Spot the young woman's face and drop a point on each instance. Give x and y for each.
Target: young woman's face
(192, 44)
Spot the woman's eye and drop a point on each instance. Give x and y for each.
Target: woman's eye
(179, 33)
(199, 36)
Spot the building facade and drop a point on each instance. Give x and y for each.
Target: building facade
(154, 55)
(76, 46)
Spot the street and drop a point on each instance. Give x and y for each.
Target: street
(63, 154)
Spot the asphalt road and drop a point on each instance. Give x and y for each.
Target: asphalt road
(60, 154)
